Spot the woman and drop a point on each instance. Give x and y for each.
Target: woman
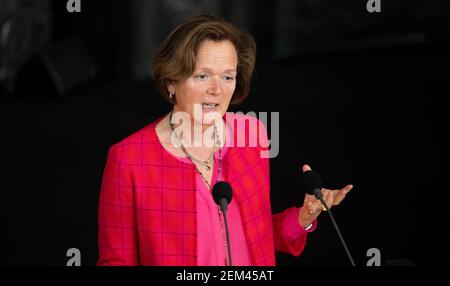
(156, 206)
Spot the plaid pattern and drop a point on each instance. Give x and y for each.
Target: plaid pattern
(147, 209)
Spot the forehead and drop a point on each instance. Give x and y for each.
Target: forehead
(212, 54)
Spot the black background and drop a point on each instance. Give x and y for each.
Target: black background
(360, 97)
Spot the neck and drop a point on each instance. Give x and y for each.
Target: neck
(193, 133)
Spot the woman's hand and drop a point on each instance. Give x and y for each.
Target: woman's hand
(312, 207)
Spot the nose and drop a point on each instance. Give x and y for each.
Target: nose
(216, 87)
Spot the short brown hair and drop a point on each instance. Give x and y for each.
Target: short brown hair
(175, 58)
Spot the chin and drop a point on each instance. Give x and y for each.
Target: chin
(212, 117)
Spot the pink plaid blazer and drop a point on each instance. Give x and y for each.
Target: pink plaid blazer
(147, 207)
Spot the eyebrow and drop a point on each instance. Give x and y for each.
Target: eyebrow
(209, 70)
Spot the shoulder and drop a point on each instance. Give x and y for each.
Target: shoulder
(246, 128)
(240, 120)
(130, 148)
(145, 135)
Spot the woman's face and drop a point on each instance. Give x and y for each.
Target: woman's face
(210, 88)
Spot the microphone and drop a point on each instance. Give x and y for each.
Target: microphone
(222, 195)
(312, 183)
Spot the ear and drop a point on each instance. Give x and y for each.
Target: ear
(170, 87)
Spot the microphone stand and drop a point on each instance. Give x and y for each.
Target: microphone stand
(224, 208)
(318, 194)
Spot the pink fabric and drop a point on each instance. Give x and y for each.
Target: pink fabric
(148, 204)
(211, 239)
(291, 228)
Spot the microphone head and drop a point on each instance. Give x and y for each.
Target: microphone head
(222, 190)
(310, 181)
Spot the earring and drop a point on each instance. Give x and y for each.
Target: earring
(171, 96)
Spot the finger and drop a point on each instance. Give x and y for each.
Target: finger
(340, 196)
(306, 167)
(347, 189)
(308, 198)
(315, 207)
(312, 207)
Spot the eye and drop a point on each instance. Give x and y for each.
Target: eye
(202, 76)
(228, 78)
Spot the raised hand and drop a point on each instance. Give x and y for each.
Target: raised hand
(312, 207)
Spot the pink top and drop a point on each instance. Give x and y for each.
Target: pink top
(211, 237)
(148, 211)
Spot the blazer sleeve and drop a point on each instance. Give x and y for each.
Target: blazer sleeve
(289, 237)
(117, 236)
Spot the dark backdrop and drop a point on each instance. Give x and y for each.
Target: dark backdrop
(367, 89)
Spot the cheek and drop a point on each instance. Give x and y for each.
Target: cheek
(196, 92)
(190, 94)
(230, 90)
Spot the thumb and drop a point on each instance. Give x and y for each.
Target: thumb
(306, 167)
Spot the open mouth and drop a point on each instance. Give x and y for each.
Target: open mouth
(209, 106)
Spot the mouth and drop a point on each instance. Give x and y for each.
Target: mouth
(209, 106)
